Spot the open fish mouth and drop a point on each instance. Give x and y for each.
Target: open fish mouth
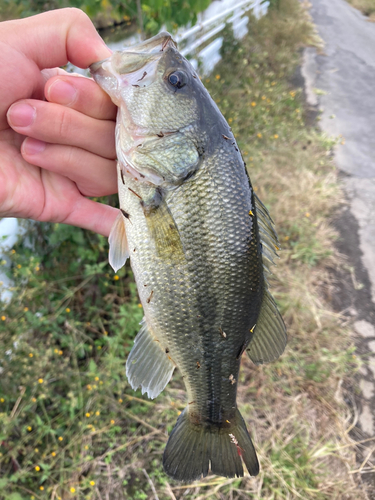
(133, 59)
(123, 72)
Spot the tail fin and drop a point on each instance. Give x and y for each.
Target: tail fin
(192, 450)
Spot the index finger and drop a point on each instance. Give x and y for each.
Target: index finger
(81, 94)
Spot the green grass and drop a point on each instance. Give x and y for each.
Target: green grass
(72, 428)
(367, 7)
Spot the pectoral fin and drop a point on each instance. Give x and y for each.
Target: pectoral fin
(270, 338)
(164, 232)
(118, 244)
(148, 364)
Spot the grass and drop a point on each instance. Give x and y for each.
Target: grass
(367, 7)
(72, 428)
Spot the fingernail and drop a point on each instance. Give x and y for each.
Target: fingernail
(21, 115)
(33, 146)
(62, 92)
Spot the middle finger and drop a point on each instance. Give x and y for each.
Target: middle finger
(58, 124)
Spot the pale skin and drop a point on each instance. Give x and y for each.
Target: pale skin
(57, 145)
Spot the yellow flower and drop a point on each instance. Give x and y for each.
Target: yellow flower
(19, 266)
(2, 400)
(89, 387)
(307, 214)
(276, 136)
(37, 268)
(99, 347)
(72, 490)
(253, 104)
(37, 468)
(3, 318)
(86, 447)
(33, 400)
(230, 120)
(87, 414)
(273, 83)
(67, 310)
(60, 438)
(13, 252)
(53, 453)
(31, 354)
(217, 77)
(36, 450)
(259, 135)
(112, 422)
(25, 309)
(40, 380)
(263, 97)
(41, 488)
(56, 351)
(120, 400)
(92, 483)
(96, 378)
(29, 428)
(105, 332)
(116, 277)
(139, 305)
(88, 323)
(297, 110)
(97, 413)
(60, 352)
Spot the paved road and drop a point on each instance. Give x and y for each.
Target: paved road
(345, 73)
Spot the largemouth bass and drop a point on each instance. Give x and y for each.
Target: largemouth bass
(200, 243)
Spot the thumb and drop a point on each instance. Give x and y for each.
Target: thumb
(56, 37)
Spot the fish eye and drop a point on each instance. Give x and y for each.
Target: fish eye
(177, 79)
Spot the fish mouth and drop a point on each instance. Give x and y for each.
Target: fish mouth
(133, 58)
(134, 66)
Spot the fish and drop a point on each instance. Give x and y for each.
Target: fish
(200, 244)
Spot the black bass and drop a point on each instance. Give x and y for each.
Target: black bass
(199, 242)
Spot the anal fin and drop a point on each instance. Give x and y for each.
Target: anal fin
(270, 338)
(148, 365)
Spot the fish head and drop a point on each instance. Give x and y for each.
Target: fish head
(161, 125)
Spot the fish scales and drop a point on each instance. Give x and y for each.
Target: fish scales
(192, 235)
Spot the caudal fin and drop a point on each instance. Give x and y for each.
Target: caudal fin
(194, 450)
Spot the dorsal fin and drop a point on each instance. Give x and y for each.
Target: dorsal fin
(270, 338)
(267, 234)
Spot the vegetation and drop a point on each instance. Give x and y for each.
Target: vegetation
(72, 428)
(153, 15)
(367, 7)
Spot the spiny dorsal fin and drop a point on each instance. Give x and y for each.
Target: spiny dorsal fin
(148, 364)
(118, 244)
(267, 234)
(270, 338)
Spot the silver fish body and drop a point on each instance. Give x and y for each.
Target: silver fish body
(199, 242)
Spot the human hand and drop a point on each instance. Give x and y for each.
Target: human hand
(69, 152)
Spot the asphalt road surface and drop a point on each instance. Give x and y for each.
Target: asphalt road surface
(340, 82)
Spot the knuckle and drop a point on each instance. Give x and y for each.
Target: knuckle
(64, 124)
